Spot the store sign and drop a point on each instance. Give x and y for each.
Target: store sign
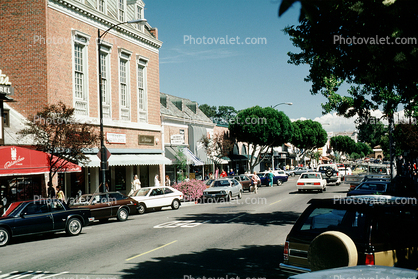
(145, 140)
(177, 139)
(15, 160)
(5, 85)
(116, 138)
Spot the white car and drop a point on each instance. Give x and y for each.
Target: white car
(157, 197)
(309, 181)
(223, 188)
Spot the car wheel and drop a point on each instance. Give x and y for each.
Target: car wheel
(229, 197)
(240, 194)
(175, 204)
(325, 189)
(4, 237)
(279, 182)
(122, 214)
(332, 249)
(73, 227)
(141, 208)
(321, 190)
(293, 174)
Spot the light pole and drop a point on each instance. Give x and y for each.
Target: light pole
(103, 153)
(272, 151)
(287, 103)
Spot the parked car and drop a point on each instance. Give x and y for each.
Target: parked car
(363, 271)
(310, 181)
(279, 176)
(41, 216)
(208, 182)
(371, 187)
(157, 198)
(330, 172)
(298, 171)
(250, 176)
(107, 205)
(357, 230)
(369, 177)
(244, 180)
(224, 188)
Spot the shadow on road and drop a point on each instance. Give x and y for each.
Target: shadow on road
(249, 262)
(280, 218)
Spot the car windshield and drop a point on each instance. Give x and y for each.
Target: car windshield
(221, 183)
(372, 186)
(310, 176)
(141, 192)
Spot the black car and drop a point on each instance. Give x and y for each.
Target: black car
(41, 216)
(371, 187)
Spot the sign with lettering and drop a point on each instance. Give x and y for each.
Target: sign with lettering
(177, 139)
(145, 140)
(5, 85)
(116, 138)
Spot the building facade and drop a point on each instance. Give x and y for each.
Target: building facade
(50, 52)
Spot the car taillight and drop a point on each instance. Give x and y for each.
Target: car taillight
(317, 183)
(369, 259)
(301, 183)
(286, 251)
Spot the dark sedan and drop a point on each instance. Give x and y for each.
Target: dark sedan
(107, 205)
(279, 176)
(370, 188)
(41, 216)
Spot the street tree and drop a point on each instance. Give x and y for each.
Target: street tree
(342, 144)
(56, 131)
(261, 128)
(371, 45)
(218, 146)
(364, 148)
(308, 135)
(209, 111)
(372, 131)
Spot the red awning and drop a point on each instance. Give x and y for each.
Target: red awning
(16, 160)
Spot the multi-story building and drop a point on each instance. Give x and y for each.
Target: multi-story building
(49, 51)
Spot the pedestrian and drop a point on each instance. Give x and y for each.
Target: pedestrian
(255, 179)
(231, 172)
(136, 185)
(156, 181)
(167, 181)
(270, 178)
(60, 194)
(51, 191)
(223, 174)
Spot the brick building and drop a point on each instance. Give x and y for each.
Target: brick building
(49, 51)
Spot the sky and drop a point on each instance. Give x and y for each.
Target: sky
(197, 63)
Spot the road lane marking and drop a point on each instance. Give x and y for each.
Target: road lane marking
(235, 218)
(275, 202)
(177, 224)
(151, 250)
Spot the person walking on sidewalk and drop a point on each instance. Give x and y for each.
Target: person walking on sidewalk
(255, 180)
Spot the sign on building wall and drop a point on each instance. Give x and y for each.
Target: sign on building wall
(177, 139)
(145, 140)
(116, 138)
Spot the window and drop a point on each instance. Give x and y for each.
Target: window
(101, 6)
(121, 10)
(80, 73)
(142, 95)
(124, 57)
(6, 118)
(139, 15)
(105, 70)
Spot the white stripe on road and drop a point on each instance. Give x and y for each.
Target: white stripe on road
(235, 218)
(151, 250)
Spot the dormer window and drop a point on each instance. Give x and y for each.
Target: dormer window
(121, 10)
(139, 15)
(101, 6)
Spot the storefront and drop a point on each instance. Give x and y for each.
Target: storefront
(24, 173)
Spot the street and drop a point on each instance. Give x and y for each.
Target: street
(239, 239)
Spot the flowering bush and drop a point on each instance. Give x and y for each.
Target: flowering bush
(192, 189)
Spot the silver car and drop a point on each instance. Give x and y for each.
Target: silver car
(224, 188)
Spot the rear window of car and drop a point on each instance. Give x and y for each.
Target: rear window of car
(372, 186)
(350, 222)
(324, 168)
(310, 176)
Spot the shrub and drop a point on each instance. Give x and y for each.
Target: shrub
(192, 189)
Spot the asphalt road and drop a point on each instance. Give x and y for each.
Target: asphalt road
(239, 239)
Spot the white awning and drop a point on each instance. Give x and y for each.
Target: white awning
(129, 160)
(191, 158)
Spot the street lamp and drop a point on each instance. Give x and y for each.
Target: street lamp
(287, 103)
(103, 153)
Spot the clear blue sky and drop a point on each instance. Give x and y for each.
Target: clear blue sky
(235, 75)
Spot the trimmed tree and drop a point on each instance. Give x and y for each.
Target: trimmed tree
(261, 128)
(56, 131)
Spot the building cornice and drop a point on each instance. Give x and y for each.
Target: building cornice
(100, 20)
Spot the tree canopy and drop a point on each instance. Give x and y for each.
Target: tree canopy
(372, 131)
(371, 45)
(343, 144)
(261, 128)
(56, 131)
